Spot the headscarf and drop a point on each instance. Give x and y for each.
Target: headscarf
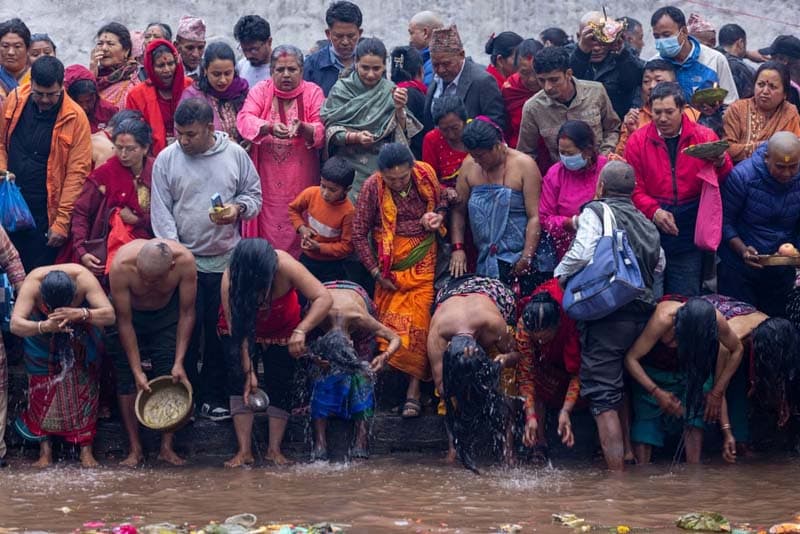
(110, 76)
(152, 77)
(103, 109)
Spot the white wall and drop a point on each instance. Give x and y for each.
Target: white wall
(73, 23)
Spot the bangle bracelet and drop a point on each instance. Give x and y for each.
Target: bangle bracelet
(531, 417)
(562, 410)
(726, 426)
(39, 327)
(653, 389)
(376, 274)
(458, 246)
(298, 331)
(85, 313)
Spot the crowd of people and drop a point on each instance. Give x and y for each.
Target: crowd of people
(300, 222)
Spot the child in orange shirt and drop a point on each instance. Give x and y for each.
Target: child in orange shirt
(323, 216)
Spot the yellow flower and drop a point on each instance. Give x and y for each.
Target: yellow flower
(622, 529)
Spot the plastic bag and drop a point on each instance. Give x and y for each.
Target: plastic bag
(14, 212)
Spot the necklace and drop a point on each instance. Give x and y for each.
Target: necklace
(404, 194)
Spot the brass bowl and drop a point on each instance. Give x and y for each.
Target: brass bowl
(714, 149)
(709, 96)
(776, 260)
(163, 389)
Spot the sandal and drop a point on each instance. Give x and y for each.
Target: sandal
(358, 453)
(412, 408)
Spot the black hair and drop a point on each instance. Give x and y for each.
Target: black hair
(631, 23)
(336, 347)
(223, 51)
(17, 27)
(193, 110)
(448, 104)
(138, 129)
(579, 133)
(672, 12)
(39, 37)
(480, 134)
(730, 33)
(775, 346)
(502, 45)
(551, 58)
(542, 312)
(781, 68)
(469, 384)
(343, 11)
(659, 64)
(57, 290)
(283, 50)
(556, 36)
(618, 179)
(47, 70)
(251, 28)
(120, 31)
(82, 87)
(406, 63)
(664, 90)
(123, 115)
(339, 171)
(371, 46)
(527, 49)
(394, 154)
(251, 273)
(160, 50)
(165, 29)
(698, 344)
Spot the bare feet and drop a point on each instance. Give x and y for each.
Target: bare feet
(240, 460)
(87, 458)
(43, 461)
(135, 457)
(45, 455)
(278, 458)
(169, 456)
(452, 456)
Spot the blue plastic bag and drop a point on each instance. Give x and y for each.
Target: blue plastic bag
(15, 215)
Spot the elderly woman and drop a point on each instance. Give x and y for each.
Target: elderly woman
(364, 111)
(397, 210)
(751, 121)
(81, 86)
(281, 117)
(221, 86)
(111, 61)
(442, 147)
(114, 205)
(41, 45)
(159, 96)
(570, 183)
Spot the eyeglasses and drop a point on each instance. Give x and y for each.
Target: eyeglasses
(39, 94)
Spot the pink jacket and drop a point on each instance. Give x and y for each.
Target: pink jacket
(563, 193)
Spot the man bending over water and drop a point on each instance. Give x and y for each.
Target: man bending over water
(153, 285)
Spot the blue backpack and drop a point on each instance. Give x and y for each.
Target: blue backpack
(610, 280)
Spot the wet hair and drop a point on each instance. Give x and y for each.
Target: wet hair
(556, 36)
(123, 115)
(672, 12)
(551, 58)
(193, 110)
(339, 171)
(781, 68)
(527, 49)
(502, 45)
(579, 133)
(57, 290)
(659, 64)
(42, 37)
(17, 27)
(446, 105)
(337, 348)
(136, 128)
(82, 87)
(698, 345)
(165, 29)
(47, 70)
(542, 312)
(251, 28)
(120, 31)
(775, 346)
(252, 271)
(730, 33)
(371, 46)
(469, 385)
(406, 63)
(631, 24)
(393, 155)
(343, 11)
(286, 50)
(664, 90)
(481, 134)
(618, 179)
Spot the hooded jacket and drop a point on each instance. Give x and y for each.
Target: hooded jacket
(758, 209)
(70, 159)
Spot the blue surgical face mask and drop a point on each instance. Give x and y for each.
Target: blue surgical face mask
(668, 47)
(574, 162)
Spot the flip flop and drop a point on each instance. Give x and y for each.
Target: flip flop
(411, 409)
(358, 453)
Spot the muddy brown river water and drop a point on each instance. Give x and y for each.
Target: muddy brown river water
(405, 493)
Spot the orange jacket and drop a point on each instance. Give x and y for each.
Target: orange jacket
(70, 158)
(144, 98)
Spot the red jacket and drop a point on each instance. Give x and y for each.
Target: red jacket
(657, 184)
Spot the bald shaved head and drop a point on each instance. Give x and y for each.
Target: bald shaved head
(154, 260)
(591, 16)
(427, 19)
(783, 156)
(420, 28)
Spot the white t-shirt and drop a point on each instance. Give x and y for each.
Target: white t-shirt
(252, 74)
